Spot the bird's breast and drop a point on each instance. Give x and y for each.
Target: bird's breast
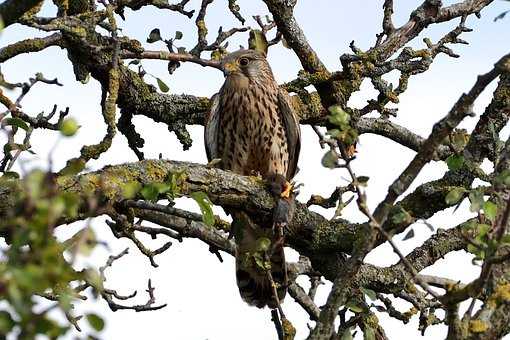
(250, 129)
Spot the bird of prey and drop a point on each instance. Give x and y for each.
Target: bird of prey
(252, 129)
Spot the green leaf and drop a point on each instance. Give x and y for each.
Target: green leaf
(257, 41)
(478, 252)
(83, 242)
(71, 202)
(263, 244)
(35, 182)
(154, 35)
(504, 178)
(6, 322)
(205, 206)
(345, 134)
(368, 333)
(153, 191)
(454, 196)
(490, 210)
(259, 261)
(65, 301)
(50, 328)
(338, 116)
(15, 121)
(369, 293)
(149, 192)
(95, 321)
(353, 307)
(162, 86)
(43, 325)
(347, 335)
(505, 239)
(12, 147)
(482, 230)
(455, 162)
(73, 167)
(175, 182)
(178, 35)
(94, 279)
(476, 199)
(329, 160)
(130, 189)
(69, 127)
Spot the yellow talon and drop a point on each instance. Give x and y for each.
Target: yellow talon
(287, 190)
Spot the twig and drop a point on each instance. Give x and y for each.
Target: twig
(109, 262)
(164, 55)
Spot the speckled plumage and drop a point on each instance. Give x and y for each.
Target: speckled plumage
(252, 127)
(254, 131)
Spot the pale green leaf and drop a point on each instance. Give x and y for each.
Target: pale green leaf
(455, 162)
(15, 121)
(130, 189)
(368, 333)
(369, 293)
(490, 210)
(476, 199)
(95, 321)
(162, 86)
(205, 206)
(347, 335)
(455, 195)
(329, 160)
(353, 307)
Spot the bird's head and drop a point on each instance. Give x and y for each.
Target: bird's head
(247, 66)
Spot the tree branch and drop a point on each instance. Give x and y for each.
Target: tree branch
(12, 10)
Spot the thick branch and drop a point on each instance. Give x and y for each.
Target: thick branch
(30, 45)
(397, 133)
(12, 10)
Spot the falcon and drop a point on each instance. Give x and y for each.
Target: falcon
(252, 129)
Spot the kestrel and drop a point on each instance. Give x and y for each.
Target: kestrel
(253, 130)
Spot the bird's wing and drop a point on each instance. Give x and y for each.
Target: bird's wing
(212, 122)
(291, 124)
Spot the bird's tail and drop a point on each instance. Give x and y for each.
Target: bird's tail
(259, 252)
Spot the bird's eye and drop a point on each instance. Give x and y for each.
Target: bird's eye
(243, 61)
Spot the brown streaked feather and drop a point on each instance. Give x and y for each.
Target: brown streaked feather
(254, 285)
(292, 130)
(212, 123)
(252, 128)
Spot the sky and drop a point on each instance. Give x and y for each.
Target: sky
(201, 293)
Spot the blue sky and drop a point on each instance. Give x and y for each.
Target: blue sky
(201, 293)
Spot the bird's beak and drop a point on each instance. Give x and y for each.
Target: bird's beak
(229, 68)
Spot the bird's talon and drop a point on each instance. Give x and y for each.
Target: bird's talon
(287, 190)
